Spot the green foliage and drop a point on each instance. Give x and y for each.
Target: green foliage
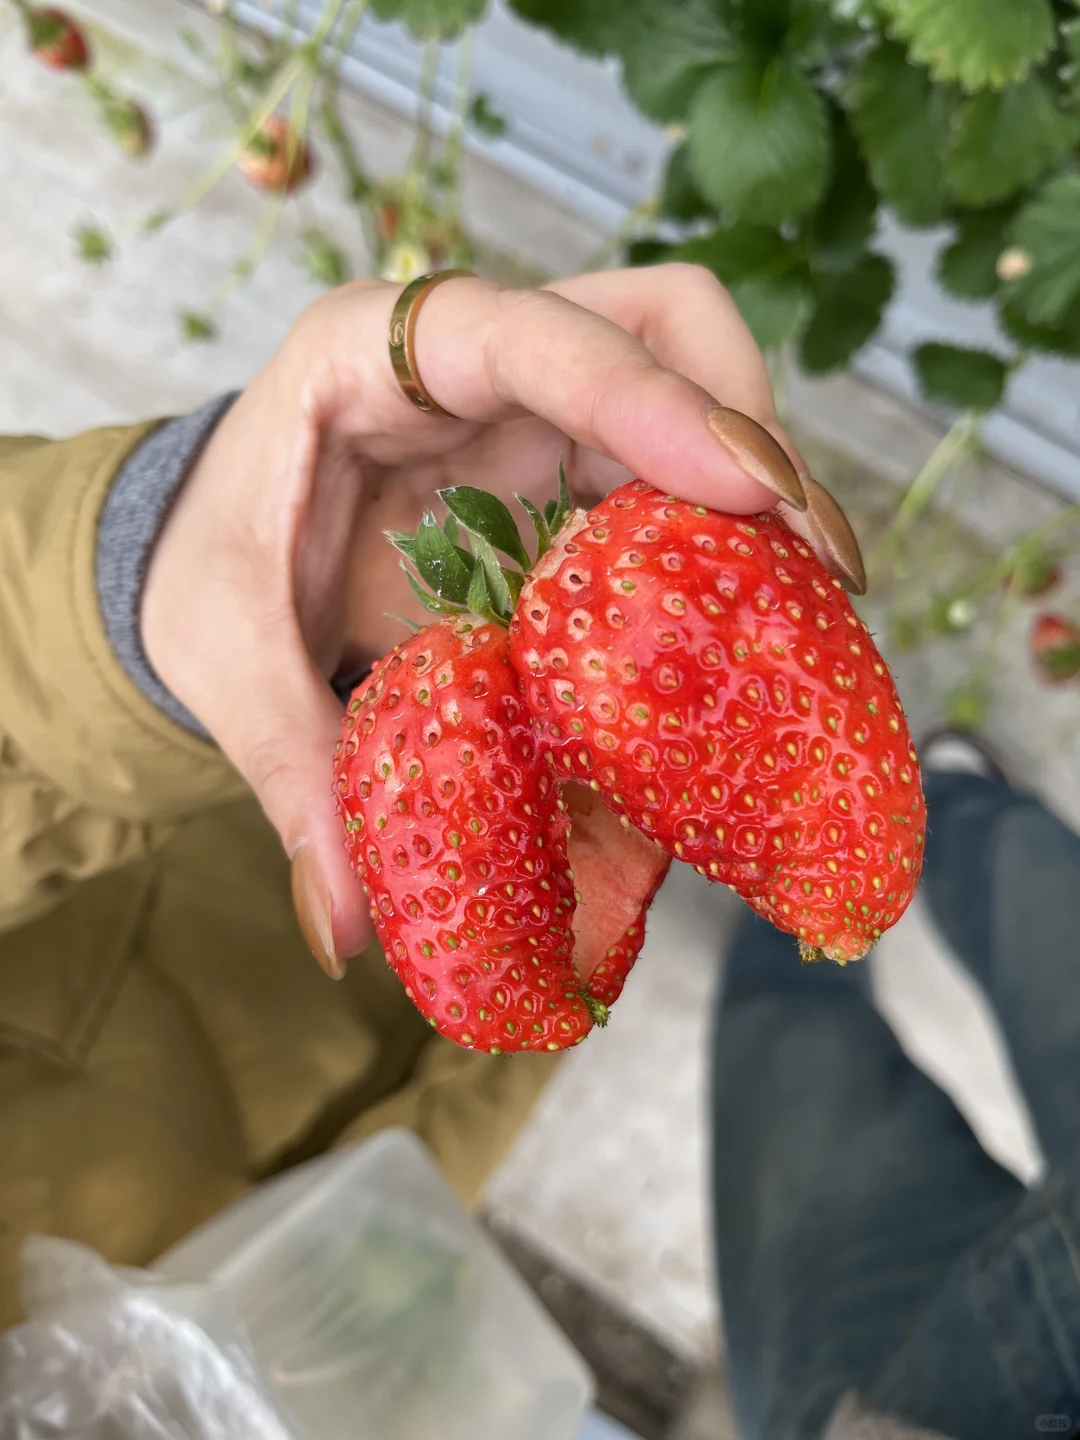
(93, 244)
(484, 120)
(899, 118)
(977, 43)
(959, 377)
(668, 50)
(759, 141)
(849, 308)
(325, 262)
(431, 19)
(1048, 231)
(1003, 140)
(197, 328)
(967, 267)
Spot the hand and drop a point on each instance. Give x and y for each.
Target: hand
(273, 575)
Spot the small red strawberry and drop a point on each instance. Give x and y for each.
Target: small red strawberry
(56, 40)
(1055, 648)
(470, 857)
(708, 676)
(276, 159)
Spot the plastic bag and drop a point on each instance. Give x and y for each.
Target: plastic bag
(110, 1354)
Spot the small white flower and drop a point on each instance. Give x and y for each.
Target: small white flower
(1013, 264)
(405, 262)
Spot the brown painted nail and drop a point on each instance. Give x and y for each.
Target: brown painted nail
(311, 900)
(833, 531)
(759, 454)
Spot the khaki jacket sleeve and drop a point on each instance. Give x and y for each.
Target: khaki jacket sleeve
(92, 775)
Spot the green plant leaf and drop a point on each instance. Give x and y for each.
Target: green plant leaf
(427, 599)
(1003, 140)
(648, 251)
(197, 328)
(962, 378)
(590, 25)
(1061, 338)
(479, 600)
(839, 231)
(1048, 229)
(976, 43)
(768, 279)
(450, 529)
(403, 541)
(540, 525)
(431, 19)
(680, 198)
(555, 512)
(485, 515)
(967, 267)
(440, 563)
(497, 584)
(775, 307)
(93, 244)
(668, 50)
(484, 120)
(815, 32)
(899, 119)
(849, 308)
(759, 141)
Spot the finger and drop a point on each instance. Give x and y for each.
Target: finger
(690, 322)
(487, 353)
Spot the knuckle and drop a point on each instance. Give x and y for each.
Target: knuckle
(696, 281)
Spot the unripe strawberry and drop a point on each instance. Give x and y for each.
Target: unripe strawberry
(1055, 648)
(56, 40)
(276, 159)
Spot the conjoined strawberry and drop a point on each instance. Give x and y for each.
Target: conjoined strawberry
(673, 682)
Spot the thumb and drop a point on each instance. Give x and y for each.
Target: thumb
(284, 748)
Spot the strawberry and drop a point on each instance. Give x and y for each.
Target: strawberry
(56, 40)
(1055, 647)
(276, 159)
(130, 126)
(470, 856)
(709, 678)
(1034, 575)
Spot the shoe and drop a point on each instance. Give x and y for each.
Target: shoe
(947, 749)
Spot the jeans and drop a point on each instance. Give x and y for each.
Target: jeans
(865, 1240)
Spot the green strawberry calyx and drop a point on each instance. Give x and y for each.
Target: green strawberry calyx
(455, 580)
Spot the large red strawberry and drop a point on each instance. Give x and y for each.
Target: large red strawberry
(56, 40)
(1055, 647)
(709, 677)
(471, 857)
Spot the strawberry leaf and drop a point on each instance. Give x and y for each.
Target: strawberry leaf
(450, 529)
(485, 515)
(968, 267)
(563, 505)
(479, 598)
(431, 19)
(962, 378)
(1003, 140)
(668, 50)
(759, 141)
(841, 228)
(1061, 338)
(498, 586)
(1048, 229)
(428, 600)
(441, 563)
(680, 198)
(977, 43)
(540, 525)
(849, 310)
(899, 119)
(403, 541)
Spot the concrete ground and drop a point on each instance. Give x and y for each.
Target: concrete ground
(608, 1179)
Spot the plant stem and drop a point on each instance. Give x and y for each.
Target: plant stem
(454, 149)
(414, 190)
(955, 443)
(360, 187)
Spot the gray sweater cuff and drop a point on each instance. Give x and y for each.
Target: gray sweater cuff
(131, 520)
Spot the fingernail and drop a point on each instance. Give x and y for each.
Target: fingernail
(759, 454)
(833, 530)
(311, 900)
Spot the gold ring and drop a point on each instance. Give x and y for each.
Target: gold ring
(402, 331)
